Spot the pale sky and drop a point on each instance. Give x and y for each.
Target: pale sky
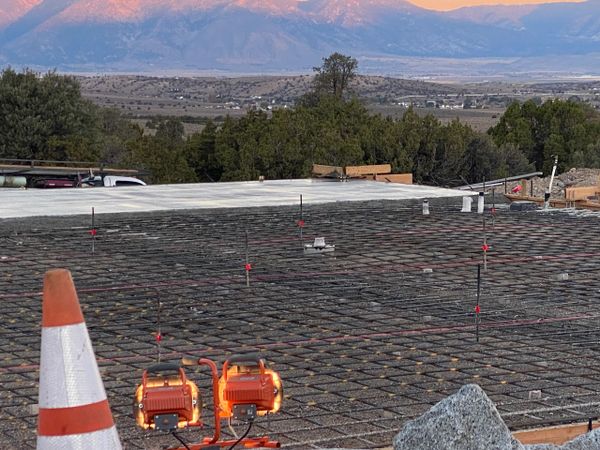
(444, 5)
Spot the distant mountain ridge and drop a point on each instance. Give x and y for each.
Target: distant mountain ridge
(271, 35)
(349, 12)
(12, 10)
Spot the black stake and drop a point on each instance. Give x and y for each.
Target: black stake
(301, 223)
(493, 207)
(485, 247)
(247, 263)
(477, 308)
(531, 187)
(93, 231)
(158, 332)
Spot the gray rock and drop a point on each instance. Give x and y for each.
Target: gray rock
(541, 447)
(588, 441)
(516, 445)
(467, 420)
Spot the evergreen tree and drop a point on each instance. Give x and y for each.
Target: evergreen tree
(565, 129)
(335, 74)
(201, 154)
(45, 118)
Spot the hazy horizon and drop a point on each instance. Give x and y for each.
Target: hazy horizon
(448, 5)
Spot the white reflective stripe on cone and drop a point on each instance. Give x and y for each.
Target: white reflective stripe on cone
(67, 350)
(107, 439)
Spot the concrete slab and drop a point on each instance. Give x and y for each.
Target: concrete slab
(63, 202)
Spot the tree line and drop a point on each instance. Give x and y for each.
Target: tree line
(45, 117)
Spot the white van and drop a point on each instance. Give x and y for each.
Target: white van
(110, 181)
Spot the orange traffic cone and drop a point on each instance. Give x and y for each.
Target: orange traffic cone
(73, 409)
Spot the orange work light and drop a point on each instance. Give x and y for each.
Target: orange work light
(248, 389)
(166, 400)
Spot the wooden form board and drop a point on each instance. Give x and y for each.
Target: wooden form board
(379, 172)
(402, 178)
(554, 202)
(581, 193)
(553, 435)
(322, 170)
(357, 171)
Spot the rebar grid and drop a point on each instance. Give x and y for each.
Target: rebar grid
(363, 338)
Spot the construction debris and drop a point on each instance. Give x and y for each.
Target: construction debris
(379, 172)
(572, 178)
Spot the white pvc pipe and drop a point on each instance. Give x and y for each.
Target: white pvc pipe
(467, 205)
(549, 191)
(480, 203)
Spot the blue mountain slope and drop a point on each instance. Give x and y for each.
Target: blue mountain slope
(35, 17)
(240, 39)
(571, 27)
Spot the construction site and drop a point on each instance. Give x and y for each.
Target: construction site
(365, 337)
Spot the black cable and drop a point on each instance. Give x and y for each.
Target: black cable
(180, 440)
(243, 436)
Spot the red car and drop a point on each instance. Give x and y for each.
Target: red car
(55, 183)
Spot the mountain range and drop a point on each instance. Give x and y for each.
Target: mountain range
(285, 35)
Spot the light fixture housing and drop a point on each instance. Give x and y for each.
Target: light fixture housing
(166, 399)
(248, 388)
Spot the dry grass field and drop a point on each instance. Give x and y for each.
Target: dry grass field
(479, 119)
(195, 99)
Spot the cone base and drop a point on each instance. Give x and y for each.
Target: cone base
(107, 439)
